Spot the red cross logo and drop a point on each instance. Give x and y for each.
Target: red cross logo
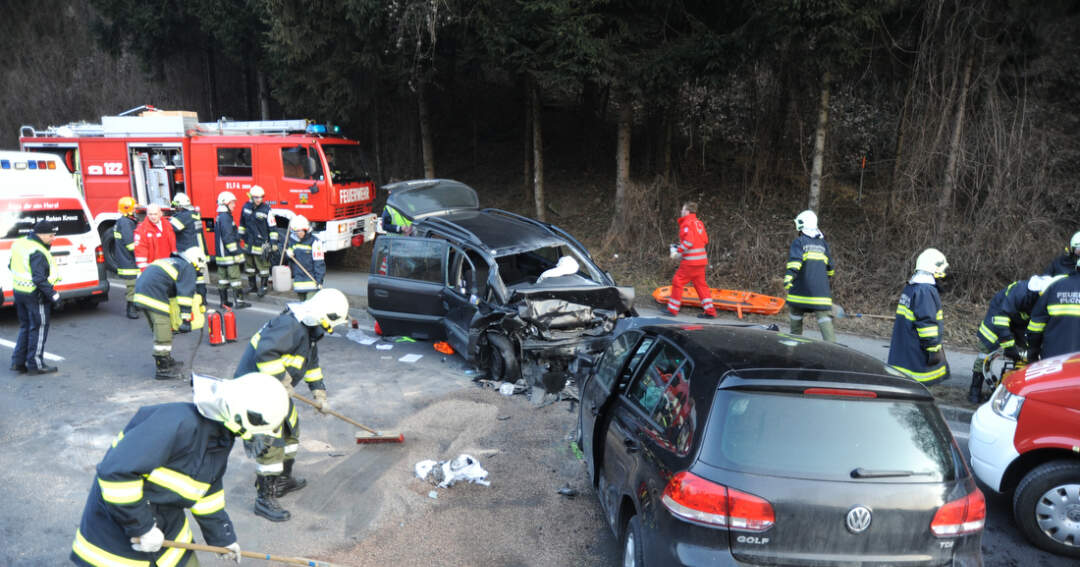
(82, 248)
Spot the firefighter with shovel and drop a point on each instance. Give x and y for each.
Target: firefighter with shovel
(286, 347)
(306, 257)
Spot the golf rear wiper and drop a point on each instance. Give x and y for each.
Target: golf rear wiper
(872, 473)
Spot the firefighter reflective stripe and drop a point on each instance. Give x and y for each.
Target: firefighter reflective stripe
(150, 302)
(168, 267)
(927, 332)
(21, 275)
(307, 285)
(1036, 327)
(987, 333)
(119, 437)
(795, 265)
(294, 418)
(94, 555)
(269, 469)
(814, 255)
(927, 376)
(301, 247)
(121, 492)
(294, 360)
(272, 367)
(172, 557)
(185, 301)
(128, 272)
(209, 504)
(179, 483)
(176, 223)
(1001, 320)
(1063, 310)
(826, 301)
(1008, 343)
(905, 312)
(291, 448)
(313, 375)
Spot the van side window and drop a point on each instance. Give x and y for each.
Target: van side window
(234, 162)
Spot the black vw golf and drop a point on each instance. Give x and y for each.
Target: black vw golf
(714, 445)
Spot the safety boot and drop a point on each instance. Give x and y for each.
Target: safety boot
(796, 325)
(975, 391)
(165, 369)
(252, 285)
(266, 504)
(263, 281)
(175, 365)
(223, 293)
(240, 303)
(825, 325)
(132, 311)
(287, 482)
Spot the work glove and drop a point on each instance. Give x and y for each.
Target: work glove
(55, 297)
(287, 382)
(320, 398)
(185, 327)
(934, 358)
(673, 251)
(1013, 353)
(149, 542)
(234, 554)
(289, 253)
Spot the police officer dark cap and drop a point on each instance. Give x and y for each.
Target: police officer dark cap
(45, 227)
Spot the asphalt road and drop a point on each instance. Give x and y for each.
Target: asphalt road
(54, 429)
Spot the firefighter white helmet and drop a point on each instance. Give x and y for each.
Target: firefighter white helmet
(181, 201)
(327, 308)
(195, 256)
(932, 261)
(1039, 283)
(298, 223)
(253, 404)
(806, 222)
(1074, 242)
(226, 197)
(256, 191)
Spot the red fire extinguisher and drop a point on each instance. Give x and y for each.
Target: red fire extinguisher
(229, 322)
(213, 323)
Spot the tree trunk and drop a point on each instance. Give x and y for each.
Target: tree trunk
(622, 164)
(264, 95)
(211, 83)
(526, 141)
(375, 139)
(948, 185)
(819, 144)
(668, 136)
(538, 153)
(425, 129)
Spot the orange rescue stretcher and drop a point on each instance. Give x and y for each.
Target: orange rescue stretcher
(727, 299)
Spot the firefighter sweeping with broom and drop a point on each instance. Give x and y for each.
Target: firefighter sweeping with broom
(286, 347)
(168, 459)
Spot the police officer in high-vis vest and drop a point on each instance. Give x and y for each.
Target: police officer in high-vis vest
(33, 273)
(809, 269)
(394, 222)
(171, 458)
(916, 346)
(306, 258)
(124, 251)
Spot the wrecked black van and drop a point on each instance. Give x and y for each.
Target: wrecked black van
(517, 297)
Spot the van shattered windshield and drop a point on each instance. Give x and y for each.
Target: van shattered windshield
(346, 164)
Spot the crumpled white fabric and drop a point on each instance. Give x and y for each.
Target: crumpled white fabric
(446, 473)
(564, 267)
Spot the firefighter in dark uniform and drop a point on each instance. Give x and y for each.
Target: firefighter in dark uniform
(1065, 264)
(809, 268)
(227, 252)
(169, 458)
(188, 226)
(160, 282)
(286, 347)
(1055, 320)
(1005, 326)
(124, 251)
(916, 346)
(33, 274)
(259, 241)
(306, 258)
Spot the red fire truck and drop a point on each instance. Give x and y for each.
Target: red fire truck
(151, 155)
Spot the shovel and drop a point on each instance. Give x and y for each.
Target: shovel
(251, 554)
(841, 313)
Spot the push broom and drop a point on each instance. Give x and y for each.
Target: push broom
(372, 435)
(250, 554)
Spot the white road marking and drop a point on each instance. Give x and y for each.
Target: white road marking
(48, 355)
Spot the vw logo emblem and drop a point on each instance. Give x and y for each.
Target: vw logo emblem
(858, 519)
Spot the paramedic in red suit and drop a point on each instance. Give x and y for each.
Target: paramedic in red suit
(154, 238)
(691, 249)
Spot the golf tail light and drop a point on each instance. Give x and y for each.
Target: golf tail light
(693, 498)
(964, 516)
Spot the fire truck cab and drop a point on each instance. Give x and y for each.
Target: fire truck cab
(152, 155)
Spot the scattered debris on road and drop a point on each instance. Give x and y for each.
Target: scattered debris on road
(445, 474)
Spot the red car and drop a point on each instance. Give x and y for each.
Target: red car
(1026, 441)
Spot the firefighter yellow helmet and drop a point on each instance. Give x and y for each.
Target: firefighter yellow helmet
(256, 402)
(256, 191)
(932, 261)
(126, 205)
(226, 197)
(298, 223)
(328, 308)
(806, 222)
(181, 201)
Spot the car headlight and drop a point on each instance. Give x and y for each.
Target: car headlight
(1005, 403)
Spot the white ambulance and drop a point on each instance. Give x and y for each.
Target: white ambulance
(39, 186)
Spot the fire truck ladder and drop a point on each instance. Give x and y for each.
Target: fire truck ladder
(224, 126)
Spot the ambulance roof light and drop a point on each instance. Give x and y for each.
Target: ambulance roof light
(5, 164)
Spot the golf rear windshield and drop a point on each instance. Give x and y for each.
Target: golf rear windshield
(826, 438)
(18, 223)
